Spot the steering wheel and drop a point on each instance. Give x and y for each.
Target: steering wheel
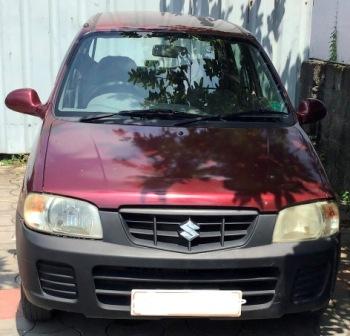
(113, 87)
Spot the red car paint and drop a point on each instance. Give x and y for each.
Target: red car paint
(160, 21)
(115, 165)
(19, 98)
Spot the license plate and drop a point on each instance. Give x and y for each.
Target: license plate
(188, 303)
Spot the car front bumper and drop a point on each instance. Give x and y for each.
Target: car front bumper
(276, 279)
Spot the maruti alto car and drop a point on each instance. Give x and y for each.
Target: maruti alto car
(172, 177)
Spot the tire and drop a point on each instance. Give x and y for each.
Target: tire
(33, 313)
(317, 314)
(314, 315)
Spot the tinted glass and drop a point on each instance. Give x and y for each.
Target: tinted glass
(197, 74)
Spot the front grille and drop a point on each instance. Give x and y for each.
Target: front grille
(57, 280)
(113, 285)
(188, 230)
(310, 283)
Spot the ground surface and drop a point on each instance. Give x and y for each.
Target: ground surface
(336, 321)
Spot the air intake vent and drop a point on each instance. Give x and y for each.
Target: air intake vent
(310, 283)
(188, 230)
(57, 280)
(113, 285)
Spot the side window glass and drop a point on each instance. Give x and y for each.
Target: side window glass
(243, 73)
(268, 90)
(80, 69)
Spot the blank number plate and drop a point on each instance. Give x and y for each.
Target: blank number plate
(186, 303)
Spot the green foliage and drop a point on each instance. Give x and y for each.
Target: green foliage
(175, 86)
(333, 46)
(13, 159)
(158, 81)
(345, 198)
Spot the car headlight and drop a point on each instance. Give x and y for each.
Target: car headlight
(62, 216)
(306, 222)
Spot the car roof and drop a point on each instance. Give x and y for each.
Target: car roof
(161, 21)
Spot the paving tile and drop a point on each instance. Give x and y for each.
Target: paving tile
(336, 320)
(9, 280)
(212, 327)
(8, 263)
(5, 178)
(8, 196)
(65, 332)
(135, 328)
(86, 326)
(203, 327)
(175, 327)
(7, 236)
(294, 325)
(7, 228)
(15, 326)
(9, 301)
(8, 327)
(53, 328)
(23, 326)
(7, 246)
(7, 219)
(5, 190)
(6, 206)
(8, 269)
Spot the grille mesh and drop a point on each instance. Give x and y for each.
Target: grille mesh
(168, 229)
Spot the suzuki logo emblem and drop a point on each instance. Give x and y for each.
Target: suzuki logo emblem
(189, 230)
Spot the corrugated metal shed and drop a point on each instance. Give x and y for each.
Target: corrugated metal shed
(35, 34)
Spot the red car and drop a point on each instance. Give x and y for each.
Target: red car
(172, 177)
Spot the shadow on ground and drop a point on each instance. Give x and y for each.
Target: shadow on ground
(9, 277)
(332, 323)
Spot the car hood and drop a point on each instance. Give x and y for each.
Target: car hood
(114, 165)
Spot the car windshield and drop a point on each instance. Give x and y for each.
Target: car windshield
(192, 74)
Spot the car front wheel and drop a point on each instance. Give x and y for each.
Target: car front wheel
(33, 313)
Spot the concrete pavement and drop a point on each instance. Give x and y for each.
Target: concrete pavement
(336, 321)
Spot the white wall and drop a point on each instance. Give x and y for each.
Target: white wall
(283, 27)
(326, 15)
(35, 34)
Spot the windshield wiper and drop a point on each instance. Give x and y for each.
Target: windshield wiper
(216, 117)
(191, 117)
(256, 115)
(146, 113)
(250, 115)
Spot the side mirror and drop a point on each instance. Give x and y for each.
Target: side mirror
(310, 111)
(25, 101)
